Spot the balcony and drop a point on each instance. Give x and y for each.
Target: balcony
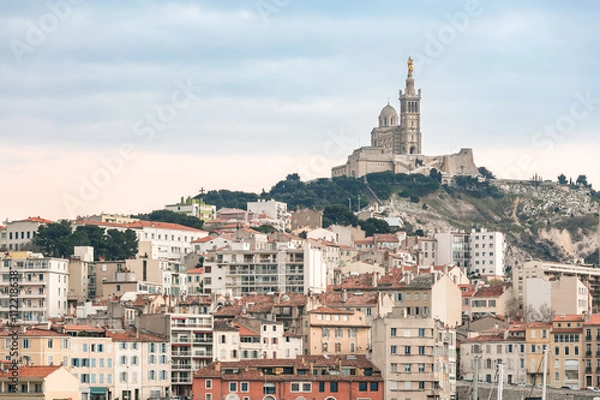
(181, 367)
(177, 379)
(203, 354)
(181, 354)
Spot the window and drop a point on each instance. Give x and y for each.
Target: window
(321, 387)
(406, 367)
(269, 388)
(421, 332)
(421, 349)
(333, 387)
(392, 349)
(233, 386)
(393, 332)
(393, 367)
(406, 349)
(208, 384)
(362, 386)
(50, 343)
(374, 386)
(421, 385)
(421, 367)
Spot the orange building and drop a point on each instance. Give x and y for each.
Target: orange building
(315, 377)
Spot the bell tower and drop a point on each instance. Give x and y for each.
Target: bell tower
(410, 115)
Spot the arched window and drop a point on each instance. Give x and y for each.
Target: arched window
(352, 348)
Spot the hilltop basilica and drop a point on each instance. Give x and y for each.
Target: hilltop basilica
(396, 144)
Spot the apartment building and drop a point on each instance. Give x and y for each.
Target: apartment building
(453, 248)
(38, 382)
(346, 377)
(43, 283)
(284, 268)
(275, 210)
(331, 331)
(565, 357)
(487, 253)
(591, 360)
(537, 339)
(521, 274)
(251, 338)
(417, 356)
(86, 351)
(190, 329)
(491, 349)
(489, 300)
(18, 234)
(142, 365)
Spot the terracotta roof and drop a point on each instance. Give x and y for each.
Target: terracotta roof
(302, 362)
(81, 328)
(228, 311)
(485, 338)
(35, 332)
(162, 225)
(129, 336)
(568, 318)
(2, 227)
(334, 300)
(327, 310)
(385, 237)
(38, 219)
(245, 331)
(490, 291)
(368, 240)
(195, 271)
(539, 324)
(593, 320)
(34, 371)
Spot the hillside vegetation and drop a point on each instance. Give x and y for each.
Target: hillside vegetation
(543, 220)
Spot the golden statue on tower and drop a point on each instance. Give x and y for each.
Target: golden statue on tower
(410, 65)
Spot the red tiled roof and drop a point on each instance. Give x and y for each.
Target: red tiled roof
(490, 291)
(195, 271)
(130, 336)
(38, 219)
(594, 319)
(245, 331)
(568, 318)
(34, 371)
(86, 328)
(539, 324)
(162, 225)
(327, 310)
(34, 332)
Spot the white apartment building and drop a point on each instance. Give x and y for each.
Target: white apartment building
(142, 365)
(273, 209)
(170, 274)
(453, 248)
(284, 268)
(487, 253)
(547, 271)
(248, 338)
(43, 283)
(417, 356)
(567, 295)
(20, 233)
(156, 239)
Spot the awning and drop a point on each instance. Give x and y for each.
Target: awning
(97, 390)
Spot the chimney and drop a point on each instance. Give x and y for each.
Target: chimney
(344, 296)
(218, 366)
(22, 329)
(375, 279)
(312, 365)
(435, 277)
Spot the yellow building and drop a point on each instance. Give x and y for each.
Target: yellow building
(39, 382)
(565, 356)
(537, 337)
(85, 351)
(332, 331)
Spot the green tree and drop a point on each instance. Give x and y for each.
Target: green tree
(266, 229)
(54, 239)
(338, 214)
(486, 173)
(374, 225)
(173, 217)
(582, 180)
(562, 179)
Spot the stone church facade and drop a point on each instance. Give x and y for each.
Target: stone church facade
(396, 144)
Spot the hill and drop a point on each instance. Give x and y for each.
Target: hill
(542, 220)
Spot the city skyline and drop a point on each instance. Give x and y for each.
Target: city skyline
(250, 92)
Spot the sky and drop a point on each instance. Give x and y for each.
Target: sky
(125, 106)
